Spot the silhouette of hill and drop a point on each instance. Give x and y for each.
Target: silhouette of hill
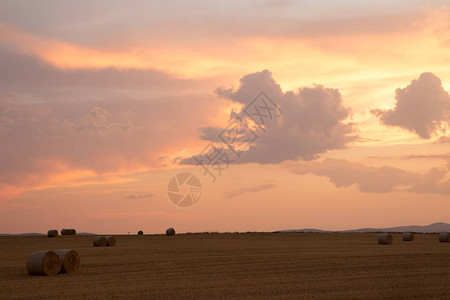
(305, 230)
(435, 227)
(38, 234)
(21, 234)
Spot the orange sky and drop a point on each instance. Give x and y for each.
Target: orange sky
(99, 104)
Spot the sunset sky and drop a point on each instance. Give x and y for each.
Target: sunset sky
(103, 102)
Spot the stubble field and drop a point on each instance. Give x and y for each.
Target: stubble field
(234, 266)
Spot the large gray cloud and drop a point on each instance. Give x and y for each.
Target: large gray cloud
(423, 107)
(312, 121)
(385, 179)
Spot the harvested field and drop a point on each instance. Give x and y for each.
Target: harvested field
(235, 266)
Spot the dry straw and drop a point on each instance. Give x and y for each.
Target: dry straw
(385, 239)
(70, 260)
(110, 241)
(43, 263)
(140, 232)
(170, 231)
(52, 233)
(408, 237)
(444, 237)
(99, 241)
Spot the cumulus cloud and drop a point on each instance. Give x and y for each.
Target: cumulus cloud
(254, 189)
(423, 107)
(311, 121)
(385, 179)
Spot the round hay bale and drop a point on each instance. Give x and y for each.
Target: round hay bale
(140, 232)
(99, 241)
(110, 240)
(70, 260)
(68, 232)
(52, 233)
(444, 237)
(385, 239)
(43, 263)
(408, 237)
(170, 231)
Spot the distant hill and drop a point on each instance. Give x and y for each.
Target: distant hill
(435, 227)
(304, 230)
(21, 234)
(38, 234)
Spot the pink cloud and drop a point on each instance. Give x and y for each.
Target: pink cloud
(56, 123)
(423, 107)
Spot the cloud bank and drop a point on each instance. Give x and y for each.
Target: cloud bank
(262, 187)
(61, 125)
(385, 179)
(134, 196)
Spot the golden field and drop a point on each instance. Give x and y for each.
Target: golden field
(234, 266)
